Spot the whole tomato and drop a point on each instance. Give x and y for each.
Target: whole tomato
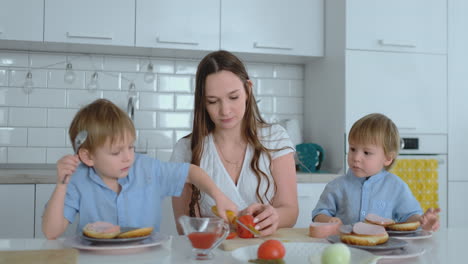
(271, 249)
(248, 221)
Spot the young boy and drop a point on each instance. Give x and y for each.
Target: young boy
(368, 187)
(114, 184)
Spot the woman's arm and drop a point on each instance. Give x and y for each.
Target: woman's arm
(284, 210)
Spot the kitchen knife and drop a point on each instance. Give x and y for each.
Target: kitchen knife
(251, 229)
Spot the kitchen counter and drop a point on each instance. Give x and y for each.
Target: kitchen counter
(445, 246)
(47, 175)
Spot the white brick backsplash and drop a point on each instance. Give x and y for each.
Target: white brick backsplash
(34, 127)
(164, 154)
(168, 83)
(54, 154)
(157, 138)
(288, 71)
(55, 79)
(265, 105)
(3, 77)
(60, 117)
(273, 87)
(3, 155)
(174, 120)
(27, 117)
(181, 133)
(10, 136)
(184, 102)
(18, 76)
(288, 105)
(3, 116)
(79, 98)
(127, 64)
(152, 101)
(145, 120)
(47, 98)
(186, 67)
(47, 137)
(14, 59)
(26, 155)
(13, 96)
(259, 70)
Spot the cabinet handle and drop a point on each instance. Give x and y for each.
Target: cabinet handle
(159, 40)
(396, 44)
(88, 36)
(261, 46)
(407, 128)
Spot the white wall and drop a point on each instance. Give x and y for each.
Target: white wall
(33, 127)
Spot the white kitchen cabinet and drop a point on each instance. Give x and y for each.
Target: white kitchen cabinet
(273, 26)
(178, 24)
(168, 224)
(21, 20)
(105, 22)
(457, 213)
(409, 88)
(308, 195)
(17, 210)
(43, 193)
(397, 25)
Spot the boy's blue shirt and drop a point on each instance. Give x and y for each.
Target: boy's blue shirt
(351, 198)
(138, 204)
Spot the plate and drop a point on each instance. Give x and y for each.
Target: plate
(116, 240)
(409, 251)
(421, 234)
(392, 243)
(304, 253)
(79, 243)
(394, 232)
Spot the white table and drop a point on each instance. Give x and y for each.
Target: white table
(445, 246)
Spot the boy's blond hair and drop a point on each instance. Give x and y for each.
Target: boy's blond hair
(379, 130)
(103, 120)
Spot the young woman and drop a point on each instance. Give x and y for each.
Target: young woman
(250, 160)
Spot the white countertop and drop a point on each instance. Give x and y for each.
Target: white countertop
(445, 246)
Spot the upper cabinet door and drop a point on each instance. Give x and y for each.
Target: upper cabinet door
(397, 25)
(409, 88)
(22, 20)
(178, 24)
(106, 22)
(273, 26)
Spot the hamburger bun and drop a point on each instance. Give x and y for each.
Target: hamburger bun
(378, 220)
(404, 226)
(363, 234)
(139, 232)
(101, 230)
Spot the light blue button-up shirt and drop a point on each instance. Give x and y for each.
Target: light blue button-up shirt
(351, 198)
(138, 204)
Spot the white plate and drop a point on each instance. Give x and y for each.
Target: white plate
(76, 242)
(421, 234)
(392, 243)
(395, 232)
(409, 251)
(304, 253)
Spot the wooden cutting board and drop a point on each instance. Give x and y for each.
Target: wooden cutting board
(282, 234)
(50, 256)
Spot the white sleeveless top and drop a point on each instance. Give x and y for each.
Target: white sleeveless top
(244, 193)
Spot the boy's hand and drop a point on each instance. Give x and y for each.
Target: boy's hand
(66, 166)
(430, 219)
(335, 220)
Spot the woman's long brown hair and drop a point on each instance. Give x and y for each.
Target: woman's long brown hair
(203, 125)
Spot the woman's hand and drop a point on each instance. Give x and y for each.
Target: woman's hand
(266, 217)
(66, 166)
(223, 204)
(430, 219)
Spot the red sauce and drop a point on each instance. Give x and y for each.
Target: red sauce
(202, 240)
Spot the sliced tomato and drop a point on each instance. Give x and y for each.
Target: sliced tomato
(247, 220)
(231, 235)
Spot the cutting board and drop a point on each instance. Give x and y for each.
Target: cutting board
(50, 256)
(282, 234)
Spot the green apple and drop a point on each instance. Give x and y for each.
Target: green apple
(336, 254)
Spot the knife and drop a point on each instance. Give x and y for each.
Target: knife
(251, 229)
